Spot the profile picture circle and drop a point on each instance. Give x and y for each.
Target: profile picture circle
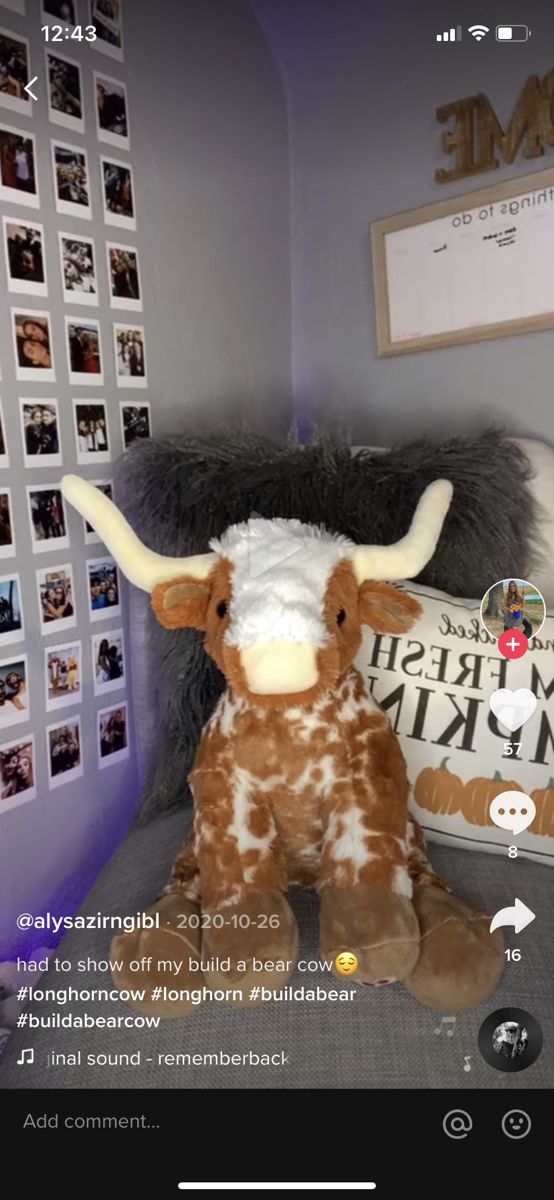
(510, 1039)
(513, 604)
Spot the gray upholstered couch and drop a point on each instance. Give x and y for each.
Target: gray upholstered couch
(382, 1038)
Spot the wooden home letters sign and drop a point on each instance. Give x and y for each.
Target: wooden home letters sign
(477, 141)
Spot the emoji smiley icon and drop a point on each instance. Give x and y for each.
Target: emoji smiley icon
(516, 1123)
(346, 962)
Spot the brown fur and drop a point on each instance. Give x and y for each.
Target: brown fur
(295, 809)
(386, 609)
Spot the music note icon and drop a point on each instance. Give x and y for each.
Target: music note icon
(467, 1064)
(27, 1056)
(447, 1021)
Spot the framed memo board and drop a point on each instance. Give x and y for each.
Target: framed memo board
(474, 267)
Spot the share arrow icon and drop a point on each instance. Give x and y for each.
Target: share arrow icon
(519, 916)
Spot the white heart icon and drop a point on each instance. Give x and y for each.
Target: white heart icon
(513, 709)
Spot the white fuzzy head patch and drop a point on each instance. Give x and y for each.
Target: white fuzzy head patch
(280, 576)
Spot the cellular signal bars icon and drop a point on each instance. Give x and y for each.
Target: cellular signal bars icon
(450, 35)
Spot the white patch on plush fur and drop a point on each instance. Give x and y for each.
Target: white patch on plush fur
(402, 883)
(281, 572)
(227, 709)
(242, 807)
(350, 846)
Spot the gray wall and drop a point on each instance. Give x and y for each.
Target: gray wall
(363, 83)
(209, 151)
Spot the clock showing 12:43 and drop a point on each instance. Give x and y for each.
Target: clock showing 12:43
(77, 33)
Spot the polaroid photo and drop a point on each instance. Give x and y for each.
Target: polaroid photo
(112, 111)
(59, 12)
(14, 73)
(47, 518)
(104, 593)
(106, 16)
(17, 772)
(18, 177)
(4, 455)
(119, 193)
(113, 735)
(7, 533)
(63, 751)
(135, 423)
(12, 626)
(108, 661)
(124, 277)
(14, 690)
(32, 338)
(55, 598)
(105, 486)
(71, 181)
(40, 433)
(84, 356)
(25, 258)
(91, 432)
(78, 266)
(65, 91)
(130, 356)
(62, 671)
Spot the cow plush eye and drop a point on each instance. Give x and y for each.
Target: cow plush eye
(221, 609)
(341, 616)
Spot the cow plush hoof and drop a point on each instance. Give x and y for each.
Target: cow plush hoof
(248, 950)
(376, 925)
(460, 962)
(175, 942)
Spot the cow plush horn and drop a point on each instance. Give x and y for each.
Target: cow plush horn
(406, 558)
(142, 566)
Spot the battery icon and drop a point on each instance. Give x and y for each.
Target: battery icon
(512, 33)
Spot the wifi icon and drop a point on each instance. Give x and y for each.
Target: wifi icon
(478, 31)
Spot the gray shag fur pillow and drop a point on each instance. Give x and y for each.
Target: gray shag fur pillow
(178, 494)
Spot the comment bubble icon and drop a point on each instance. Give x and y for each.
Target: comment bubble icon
(512, 810)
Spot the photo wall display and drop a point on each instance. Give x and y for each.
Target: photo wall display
(71, 180)
(24, 248)
(78, 269)
(63, 751)
(17, 772)
(7, 533)
(63, 675)
(65, 91)
(105, 486)
(59, 12)
(40, 432)
(107, 17)
(91, 432)
(76, 363)
(12, 626)
(108, 661)
(47, 518)
(18, 173)
(4, 453)
(112, 115)
(14, 690)
(14, 72)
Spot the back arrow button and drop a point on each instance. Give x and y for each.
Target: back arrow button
(29, 86)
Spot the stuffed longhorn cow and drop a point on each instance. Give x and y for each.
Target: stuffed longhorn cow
(299, 780)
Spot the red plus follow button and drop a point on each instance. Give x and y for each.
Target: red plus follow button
(512, 643)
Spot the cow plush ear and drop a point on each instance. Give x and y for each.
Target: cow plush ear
(386, 609)
(182, 603)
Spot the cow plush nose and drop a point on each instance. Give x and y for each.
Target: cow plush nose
(273, 668)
